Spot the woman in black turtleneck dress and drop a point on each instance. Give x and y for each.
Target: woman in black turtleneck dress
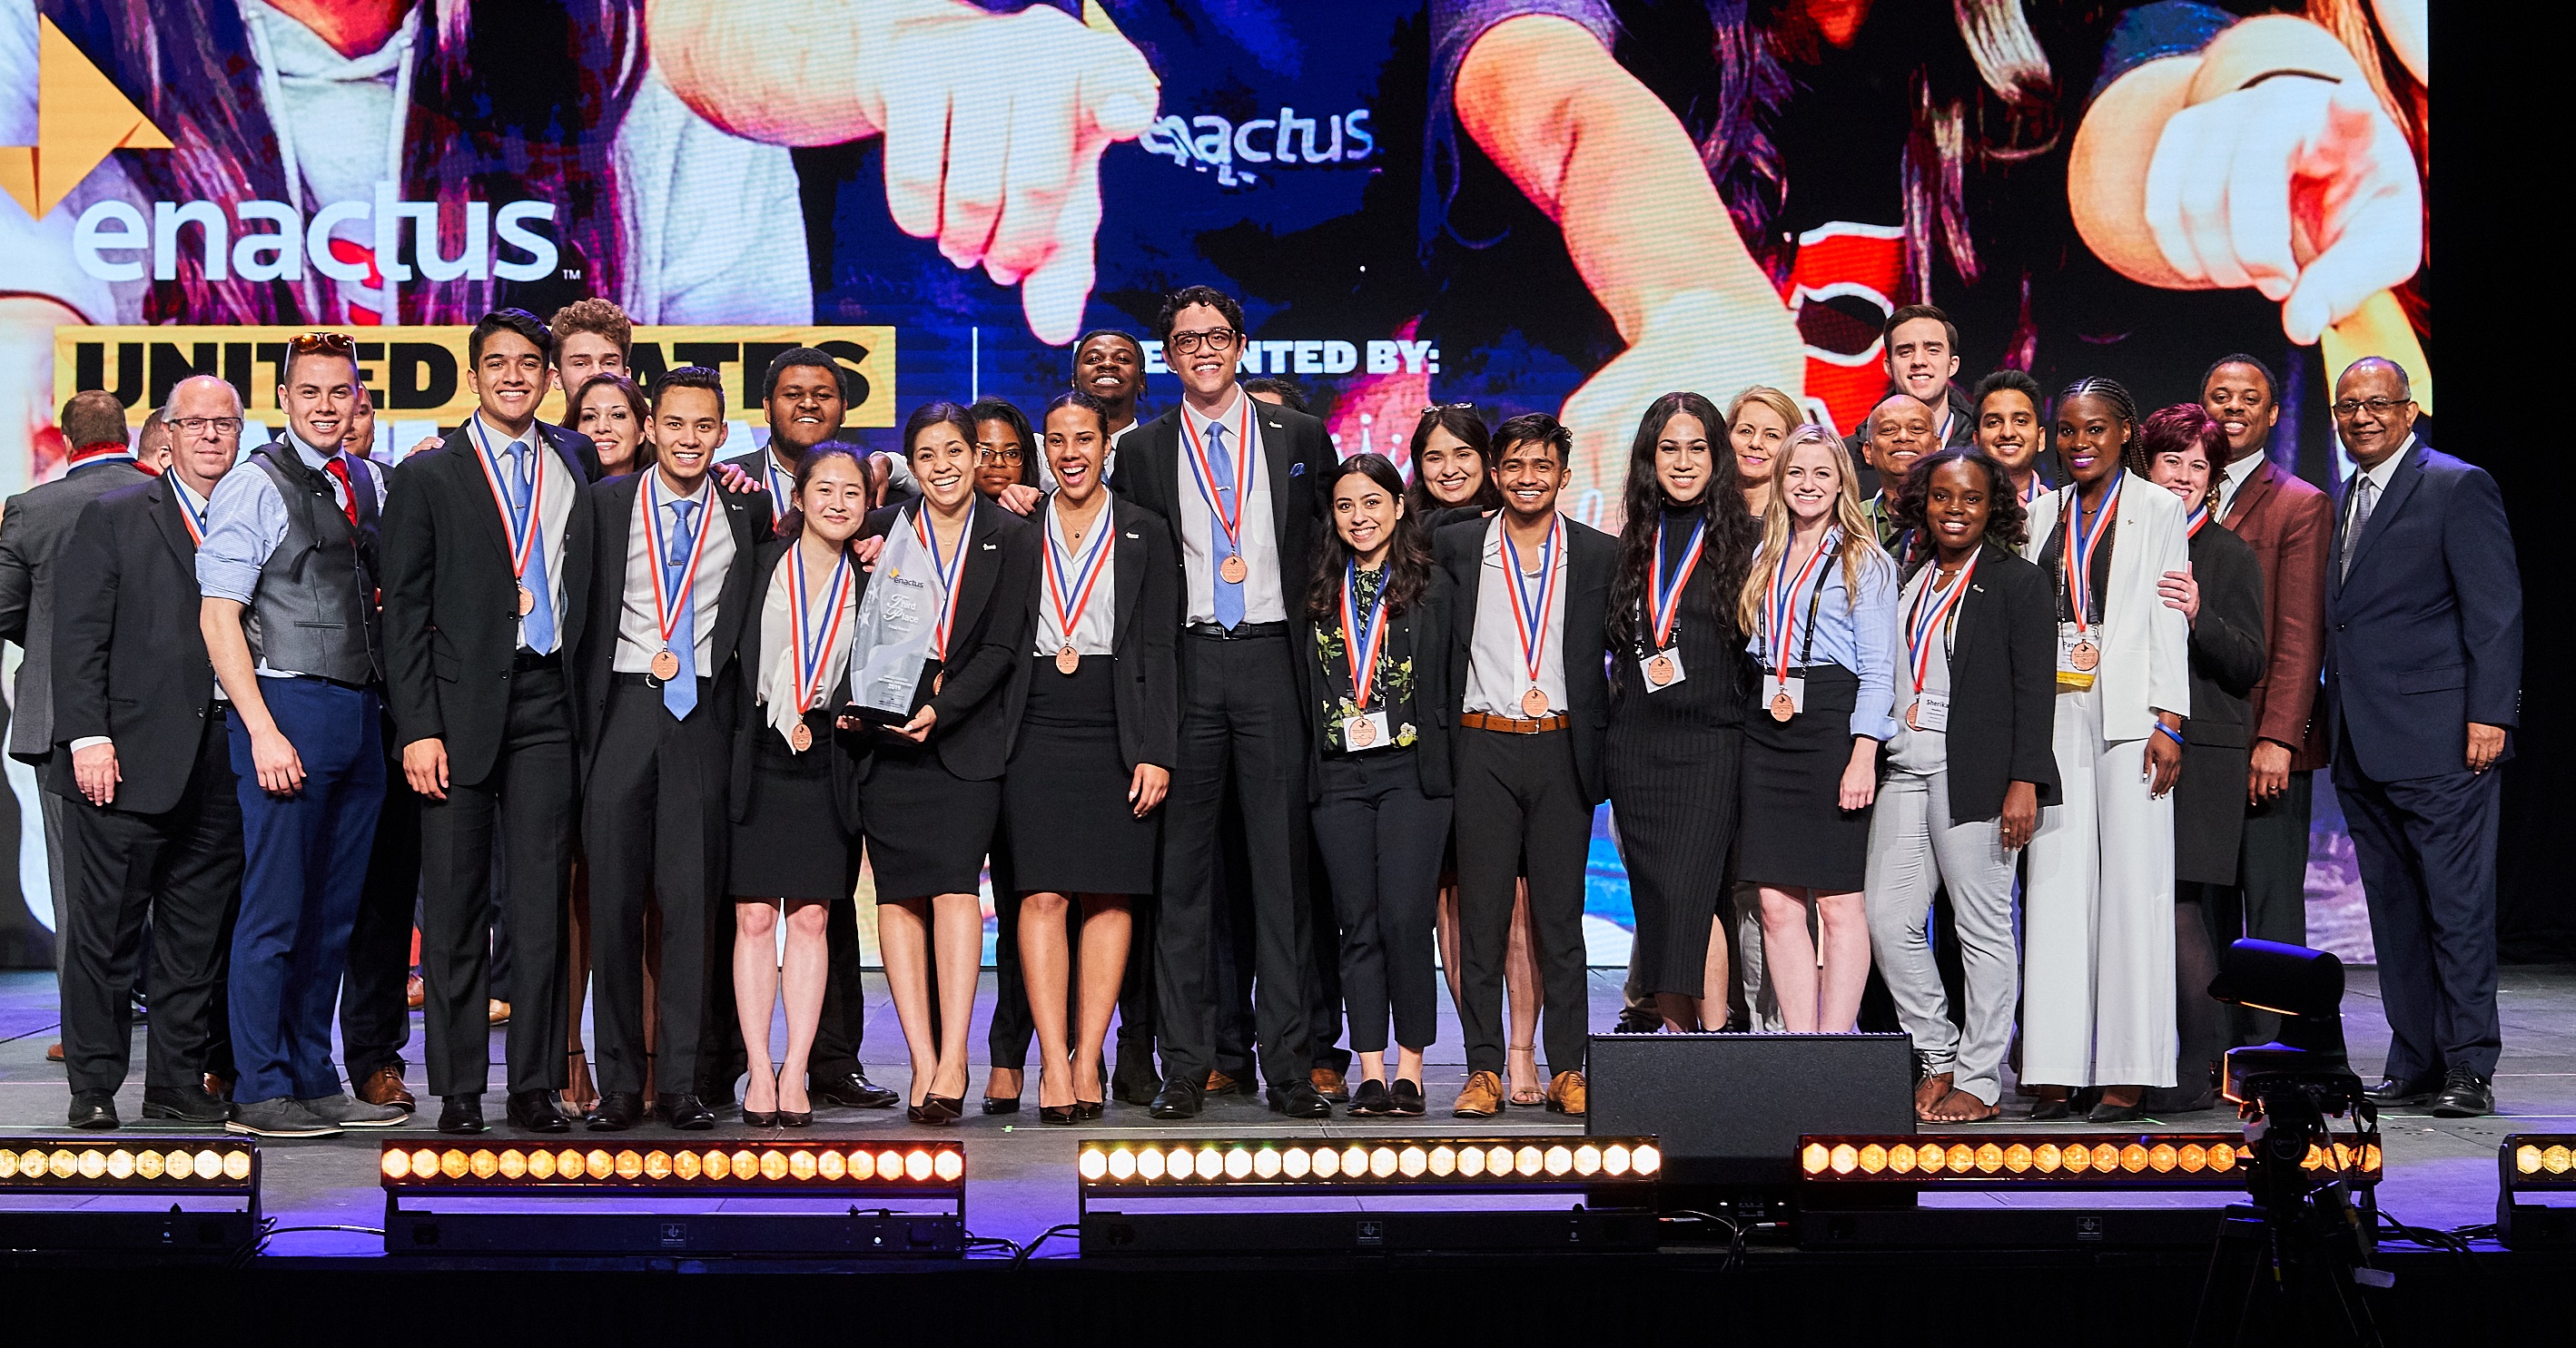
(1679, 684)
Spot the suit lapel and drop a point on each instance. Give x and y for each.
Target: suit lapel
(1275, 454)
(477, 490)
(174, 530)
(2401, 485)
(2250, 497)
(980, 570)
(741, 580)
(1131, 560)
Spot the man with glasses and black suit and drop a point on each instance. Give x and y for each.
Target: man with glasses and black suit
(1237, 479)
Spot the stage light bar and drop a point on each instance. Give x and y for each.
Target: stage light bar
(928, 1168)
(139, 1165)
(2099, 1160)
(205, 1193)
(2535, 1162)
(1374, 1164)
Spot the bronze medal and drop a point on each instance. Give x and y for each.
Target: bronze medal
(2085, 656)
(1234, 570)
(1068, 660)
(1783, 706)
(666, 666)
(801, 738)
(1360, 731)
(1914, 717)
(1534, 704)
(527, 601)
(1659, 671)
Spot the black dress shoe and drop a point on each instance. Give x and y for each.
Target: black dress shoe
(2464, 1095)
(616, 1112)
(853, 1090)
(461, 1114)
(93, 1109)
(687, 1113)
(1298, 1100)
(2401, 1093)
(537, 1112)
(933, 1111)
(1179, 1099)
(1135, 1082)
(1001, 1104)
(1404, 1099)
(2106, 1112)
(2045, 1110)
(190, 1105)
(1369, 1099)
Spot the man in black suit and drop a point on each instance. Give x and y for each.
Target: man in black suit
(1533, 709)
(2423, 689)
(142, 765)
(486, 586)
(1237, 479)
(656, 675)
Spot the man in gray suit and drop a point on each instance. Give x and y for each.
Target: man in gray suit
(33, 525)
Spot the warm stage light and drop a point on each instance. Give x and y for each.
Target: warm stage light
(1401, 1164)
(2176, 1160)
(767, 1166)
(137, 1164)
(2535, 1164)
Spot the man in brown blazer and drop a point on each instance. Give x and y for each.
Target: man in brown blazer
(2290, 526)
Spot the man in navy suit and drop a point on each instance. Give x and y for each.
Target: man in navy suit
(2423, 684)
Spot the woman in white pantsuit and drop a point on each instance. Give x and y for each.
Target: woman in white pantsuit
(2098, 1002)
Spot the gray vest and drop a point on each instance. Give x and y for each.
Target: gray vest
(315, 609)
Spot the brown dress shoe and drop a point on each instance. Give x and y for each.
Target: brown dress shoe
(53, 1052)
(1331, 1085)
(414, 992)
(384, 1086)
(1483, 1097)
(499, 1011)
(1221, 1083)
(1565, 1094)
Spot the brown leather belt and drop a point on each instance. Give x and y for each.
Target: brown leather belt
(1511, 725)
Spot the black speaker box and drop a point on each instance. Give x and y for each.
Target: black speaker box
(1728, 1108)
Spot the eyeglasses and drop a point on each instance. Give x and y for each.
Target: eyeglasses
(1215, 339)
(197, 425)
(331, 343)
(2379, 407)
(997, 456)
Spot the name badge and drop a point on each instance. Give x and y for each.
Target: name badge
(2078, 654)
(1663, 669)
(1785, 697)
(1930, 712)
(1365, 732)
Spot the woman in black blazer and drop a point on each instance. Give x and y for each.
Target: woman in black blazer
(795, 796)
(1374, 639)
(1095, 695)
(2181, 449)
(1967, 772)
(931, 790)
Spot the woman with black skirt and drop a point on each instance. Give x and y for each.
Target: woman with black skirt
(1678, 680)
(2221, 596)
(795, 793)
(1097, 700)
(1380, 783)
(1821, 602)
(932, 790)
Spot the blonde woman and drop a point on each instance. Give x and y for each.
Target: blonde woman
(1820, 602)
(1758, 425)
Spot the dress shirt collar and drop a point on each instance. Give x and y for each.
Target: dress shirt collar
(1199, 422)
(2387, 469)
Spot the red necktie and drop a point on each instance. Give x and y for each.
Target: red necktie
(348, 491)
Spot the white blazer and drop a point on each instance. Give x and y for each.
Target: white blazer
(2146, 646)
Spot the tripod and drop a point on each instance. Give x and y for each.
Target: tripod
(2290, 1266)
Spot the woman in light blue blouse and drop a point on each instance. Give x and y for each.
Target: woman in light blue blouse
(1821, 604)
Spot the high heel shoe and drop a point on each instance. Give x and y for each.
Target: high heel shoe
(1001, 1104)
(953, 1105)
(934, 1110)
(1071, 1113)
(759, 1118)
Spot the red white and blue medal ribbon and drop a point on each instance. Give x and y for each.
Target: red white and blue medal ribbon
(782, 485)
(1529, 621)
(1780, 599)
(2083, 542)
(1932, 608)
(2194, 518)
(1364, 637)
(1666, 595)
(189, 516)
(1071, 597)
(1203, 471)
(947, 571)
(521, 531)
(667, 601)
(811, 643)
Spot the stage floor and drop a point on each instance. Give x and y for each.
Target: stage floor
(2440, 1172)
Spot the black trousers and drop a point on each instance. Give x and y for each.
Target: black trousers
(1520, 811)
(1240, 722)
(1231, 930)
(1382, 840)
(654, 822)
(2270, 899)
(844, 1025)
(1324, 968)
(375, 1013)
(2427, 853)
(528, 795)
(182, 868)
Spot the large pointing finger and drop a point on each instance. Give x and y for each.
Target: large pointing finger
(916, 153)
(1053, 296)
(979, 137)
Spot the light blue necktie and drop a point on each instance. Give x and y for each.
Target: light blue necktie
(540, 620)
(680, 694)
(1229, 594)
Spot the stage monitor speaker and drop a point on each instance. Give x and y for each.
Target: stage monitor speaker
(1728, 1109)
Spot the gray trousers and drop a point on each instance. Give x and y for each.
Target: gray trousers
(1914, 850)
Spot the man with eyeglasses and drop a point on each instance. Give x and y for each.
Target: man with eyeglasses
(145, 769)
(33, 525)
(1237, 480)
(288, 570)
(2423, 676)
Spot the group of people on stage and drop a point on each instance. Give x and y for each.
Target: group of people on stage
(1244, 730)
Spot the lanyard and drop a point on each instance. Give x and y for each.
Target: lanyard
(1204, 472)
(2196, 517)
(1780, 599)
(1667, 595)
(1529, 622)
(806, 650)
(947, 572)
(1086, 577)
(189, 515)
(519, 528)
(782, 486)
(668, 599)
(1362, 637)
(2077, 556)
(1931, 610)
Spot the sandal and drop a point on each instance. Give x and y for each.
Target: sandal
(1530, 1096)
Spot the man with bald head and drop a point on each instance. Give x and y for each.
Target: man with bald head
(2423, 687)
(33, 525)
(1901, 429)
(144, 769)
